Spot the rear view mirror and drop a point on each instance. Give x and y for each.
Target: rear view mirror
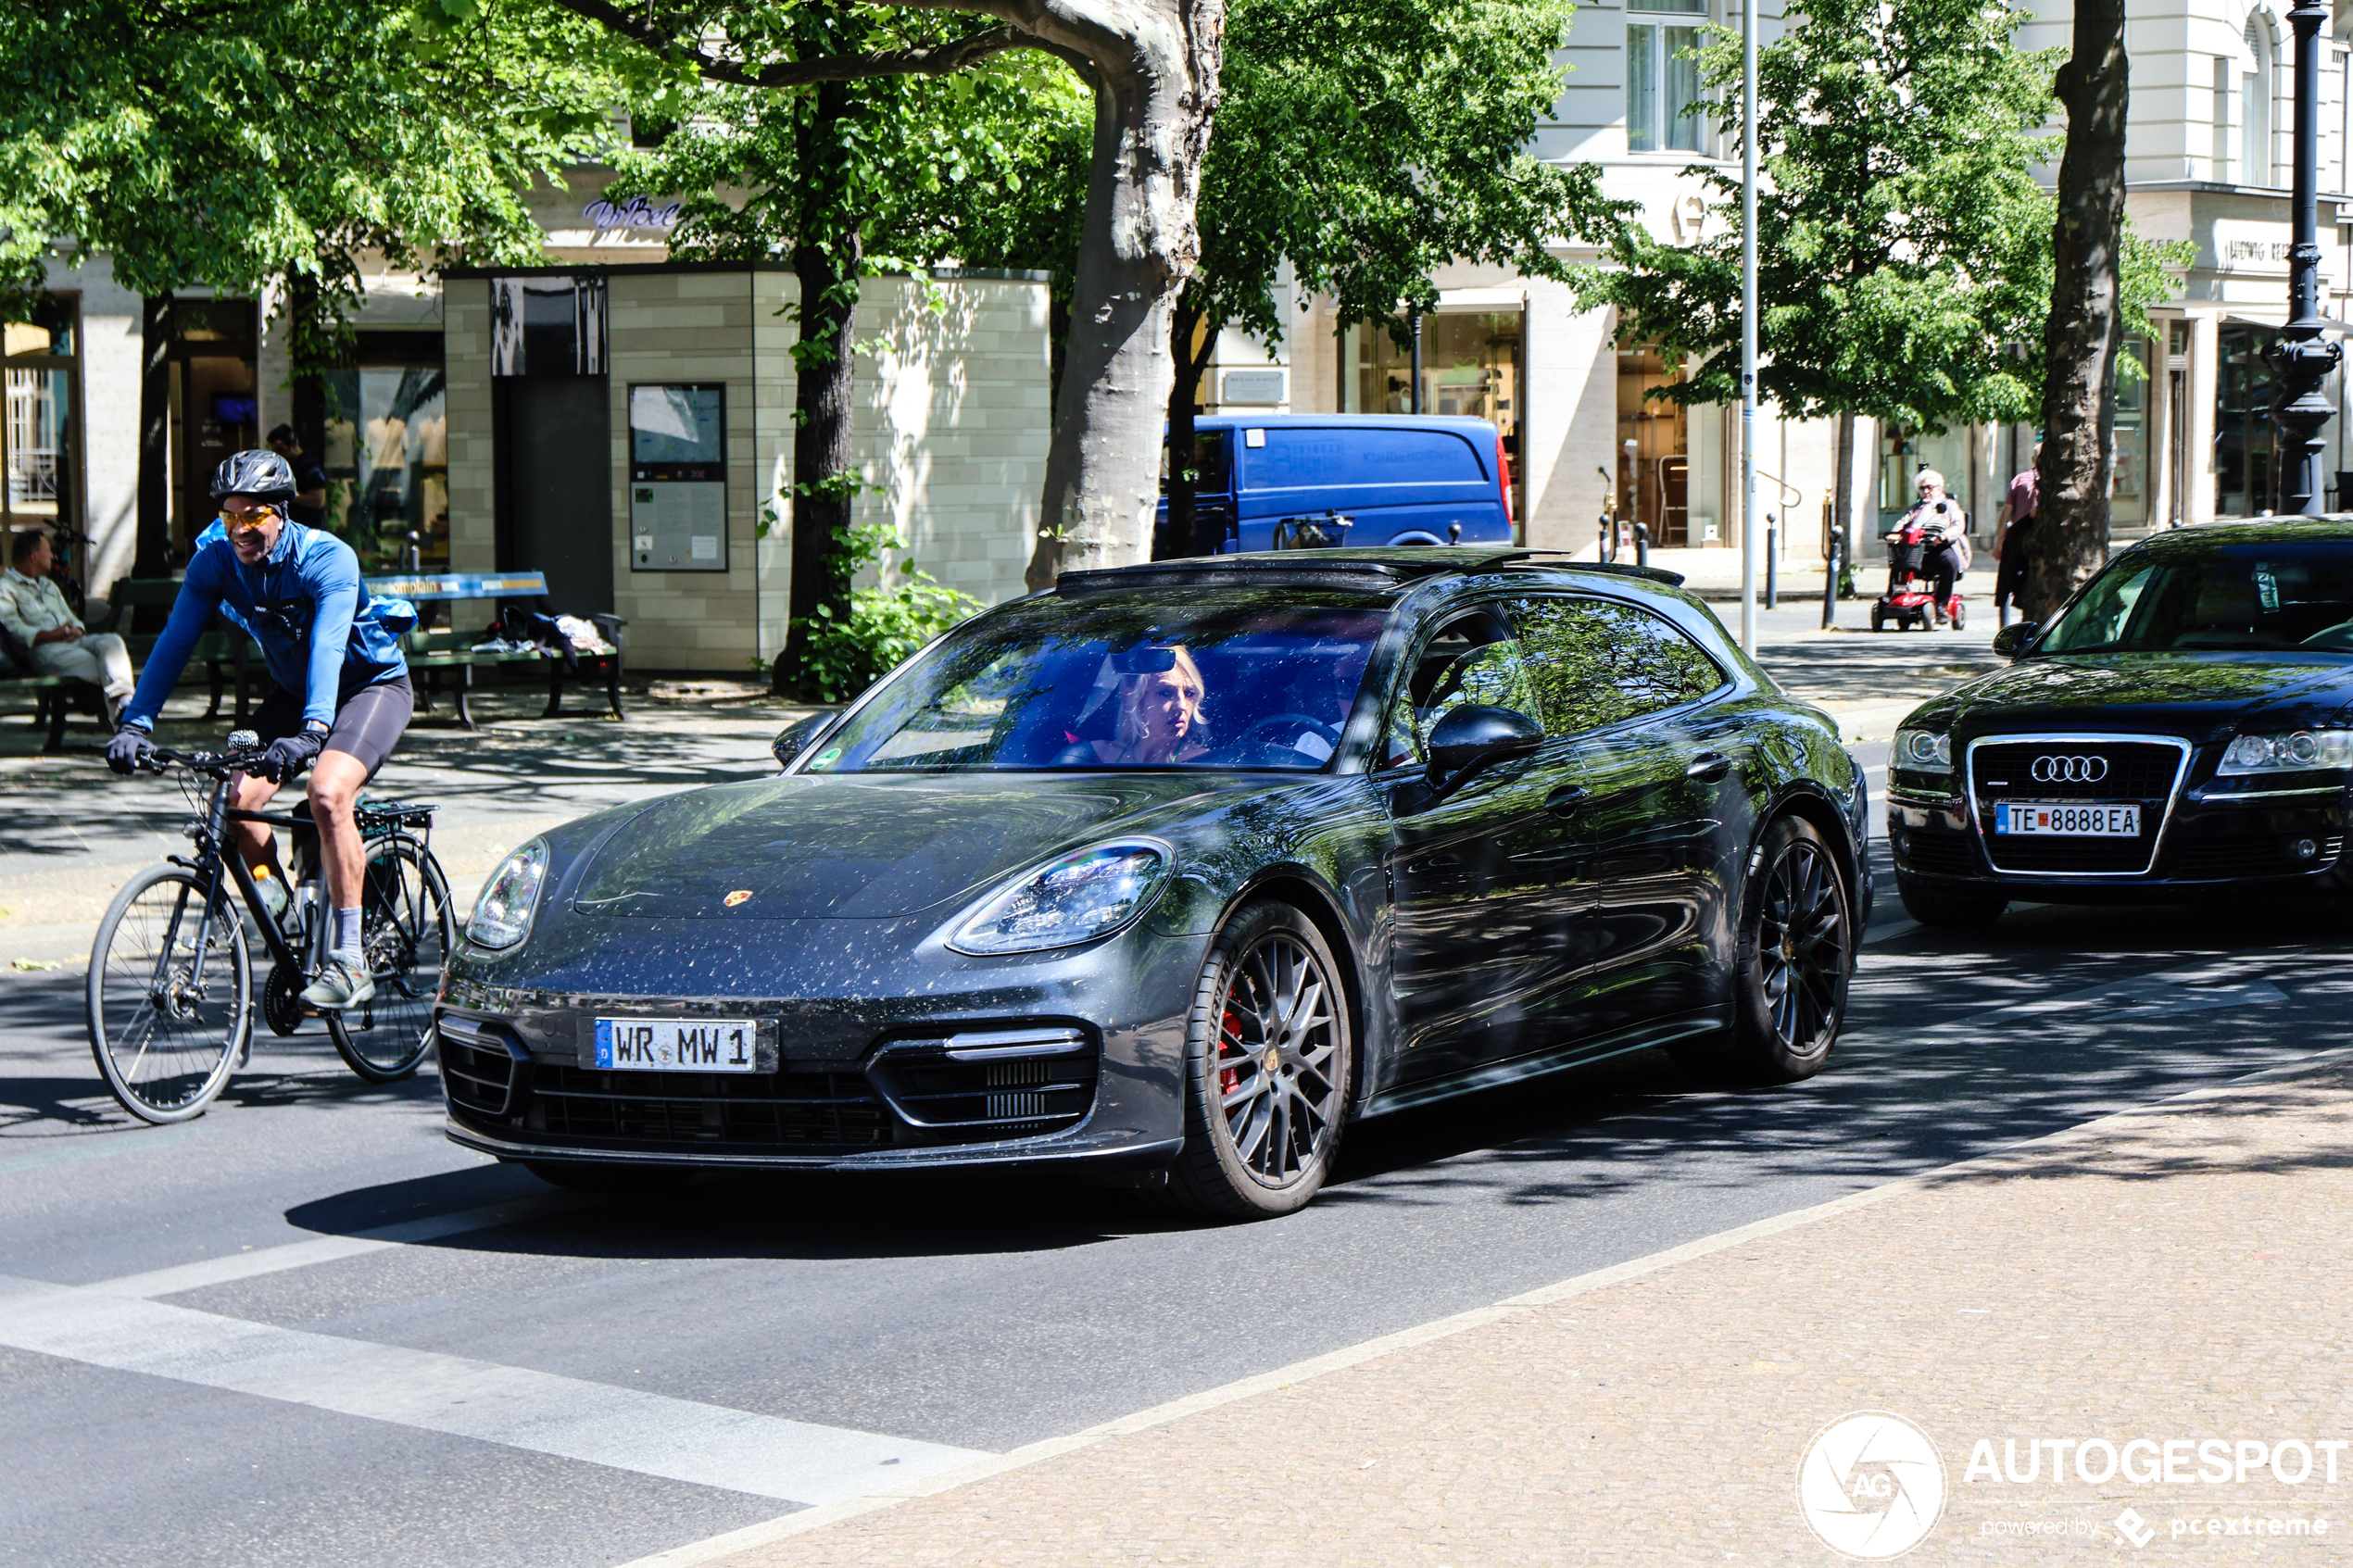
(1472, 736)
(2011, 641)
(800, 736)
(1144, 660)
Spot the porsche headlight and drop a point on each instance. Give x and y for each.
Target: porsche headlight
(2298, 751)
(1920, 752)
(1077, 898)
(502, 914)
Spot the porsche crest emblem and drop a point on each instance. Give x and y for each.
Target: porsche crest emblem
(738, 897)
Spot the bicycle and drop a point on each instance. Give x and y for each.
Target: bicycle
(171, 993)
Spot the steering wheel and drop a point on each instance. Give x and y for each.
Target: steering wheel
(1287, 720)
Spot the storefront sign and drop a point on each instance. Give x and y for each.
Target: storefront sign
(638, 212)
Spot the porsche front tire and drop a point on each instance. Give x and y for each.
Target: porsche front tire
(1268, 1057)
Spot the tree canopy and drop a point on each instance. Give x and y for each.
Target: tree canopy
(1903, 243)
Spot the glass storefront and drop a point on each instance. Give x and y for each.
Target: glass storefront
(216, 405)
(1653, 449)
(2129, 497)
(2245, 455)
(38, 434)
(388, 452)
(1903, 455)
(1471, 368)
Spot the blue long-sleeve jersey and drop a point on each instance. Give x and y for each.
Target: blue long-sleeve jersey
(304, 604)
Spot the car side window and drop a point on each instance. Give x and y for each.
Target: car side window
(1473, 658)
(1596, 661)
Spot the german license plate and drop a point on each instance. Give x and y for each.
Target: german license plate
(2066, 819)
(678, 1044)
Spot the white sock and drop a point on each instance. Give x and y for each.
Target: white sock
(347, 935)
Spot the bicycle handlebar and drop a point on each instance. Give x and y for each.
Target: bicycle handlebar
(162, 758)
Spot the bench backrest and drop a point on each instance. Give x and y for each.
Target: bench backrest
(461, 586)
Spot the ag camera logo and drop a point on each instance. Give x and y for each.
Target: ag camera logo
(1872, 1485)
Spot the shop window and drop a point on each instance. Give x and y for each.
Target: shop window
(216, 404)
(388, 452)
(1661, 79)
(547, 326)
(2255, 106)
(1903, 455)
(2245, 466)
(1653, 448)
(1471, 368)
(2129, 497)
(39, 433)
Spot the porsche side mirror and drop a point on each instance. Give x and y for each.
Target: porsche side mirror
(2011, 640)
(1474, 735)
(800, 736)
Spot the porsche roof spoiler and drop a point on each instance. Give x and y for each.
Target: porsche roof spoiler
(1371, 572)
(1366, 571)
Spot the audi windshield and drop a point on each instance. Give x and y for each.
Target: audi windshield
(1210, 679)
(2184, 598)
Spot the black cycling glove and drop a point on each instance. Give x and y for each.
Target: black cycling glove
(130, 747)
(289, 754)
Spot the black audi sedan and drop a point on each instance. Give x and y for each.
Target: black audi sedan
(1172, 872)
(2183, 729)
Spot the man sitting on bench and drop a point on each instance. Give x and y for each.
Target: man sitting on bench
(37, 614)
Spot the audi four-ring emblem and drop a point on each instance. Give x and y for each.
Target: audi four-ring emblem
(2068, 770)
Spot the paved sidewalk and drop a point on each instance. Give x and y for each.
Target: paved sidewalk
(2176, 1274)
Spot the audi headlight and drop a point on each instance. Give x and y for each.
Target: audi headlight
(2298, 751)
(1077, 898)
(502, 914)
(1920, 752)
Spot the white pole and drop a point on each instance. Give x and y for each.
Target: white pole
(1749, 539)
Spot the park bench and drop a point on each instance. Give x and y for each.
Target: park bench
(453, 655)
(55, 696)
(225, 649)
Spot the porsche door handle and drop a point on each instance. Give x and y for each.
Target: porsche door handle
(1568, 800)
(1708, 766)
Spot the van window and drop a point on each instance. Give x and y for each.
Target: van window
(1210, 458)
(1295, 459)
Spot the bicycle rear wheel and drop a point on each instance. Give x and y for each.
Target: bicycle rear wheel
(407, 931)
(168, 1022)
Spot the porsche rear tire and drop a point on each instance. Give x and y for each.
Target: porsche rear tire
(1269, 1052)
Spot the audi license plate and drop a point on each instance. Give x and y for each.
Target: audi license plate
(2068, 819)
(678, 1044)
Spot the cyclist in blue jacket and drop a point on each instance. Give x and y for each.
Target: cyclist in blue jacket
(340, 696)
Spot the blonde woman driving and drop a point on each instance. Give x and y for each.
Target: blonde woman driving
(1159, 713)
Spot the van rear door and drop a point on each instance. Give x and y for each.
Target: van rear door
(1401, 484)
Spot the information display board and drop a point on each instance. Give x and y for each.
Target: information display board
(678, 477)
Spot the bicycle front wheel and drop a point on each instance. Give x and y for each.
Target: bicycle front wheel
(168, 1018)
(407, 931)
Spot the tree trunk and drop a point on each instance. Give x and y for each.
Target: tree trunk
(1845, 489)
(2081, 341)
(1155, 77)
(1184, 450)
(826, 260)
(153, 556)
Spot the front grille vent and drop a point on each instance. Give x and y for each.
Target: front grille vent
(985, 1085)
(2112, 770)
(800, 1110)
(483, 1067)
(2217, 859)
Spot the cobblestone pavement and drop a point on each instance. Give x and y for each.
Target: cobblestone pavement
(2177, 1273)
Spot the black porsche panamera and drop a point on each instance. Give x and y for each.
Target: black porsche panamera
(2181, 730)
(1174, 870)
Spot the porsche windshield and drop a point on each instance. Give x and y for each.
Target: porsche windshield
(2271, 596)
(1217, 679)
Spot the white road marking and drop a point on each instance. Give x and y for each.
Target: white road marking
(621, 1428)
(329, 1249)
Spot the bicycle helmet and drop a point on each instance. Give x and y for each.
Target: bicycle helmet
(264, 475)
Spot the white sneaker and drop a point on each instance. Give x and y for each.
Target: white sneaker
(340, 984)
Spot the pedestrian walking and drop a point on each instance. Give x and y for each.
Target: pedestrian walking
(36, 614)
(308, 507)
(2014, 540)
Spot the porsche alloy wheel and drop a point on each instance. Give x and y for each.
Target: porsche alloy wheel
(1269, 1052)
(1796, 954)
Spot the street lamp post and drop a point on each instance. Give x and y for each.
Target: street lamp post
(1748, 327)
(2303, 355)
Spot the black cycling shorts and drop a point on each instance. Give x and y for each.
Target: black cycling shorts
(367, 721)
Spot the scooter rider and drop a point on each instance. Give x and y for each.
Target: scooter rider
(1945, 535)
(341, 695)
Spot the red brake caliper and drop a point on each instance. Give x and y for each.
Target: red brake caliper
(1230, 1027)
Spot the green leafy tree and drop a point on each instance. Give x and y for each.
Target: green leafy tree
(1904, 245)
(1370, 143)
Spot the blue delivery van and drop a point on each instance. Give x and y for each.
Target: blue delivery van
(1278, 480)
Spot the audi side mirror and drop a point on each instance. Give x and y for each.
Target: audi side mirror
(1475, 736)
(800, 736)
(2011, 640)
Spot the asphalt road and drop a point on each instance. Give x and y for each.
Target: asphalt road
(288, 1333)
